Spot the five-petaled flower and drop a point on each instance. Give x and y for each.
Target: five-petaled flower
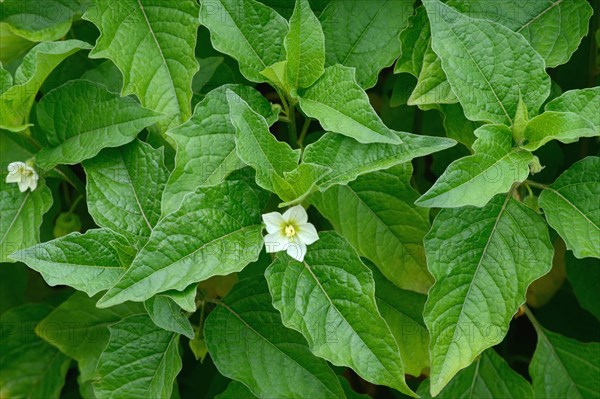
(289, 232)
(22, 174)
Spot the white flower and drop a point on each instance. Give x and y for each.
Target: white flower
(289, 232)
(22, 174)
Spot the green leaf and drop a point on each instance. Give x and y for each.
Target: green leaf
(348, 159)
(403, 312)
(564, 367)
(418, 58)
(414, 42)
(377, 215)
(86, 262)
(258, 148)
(141, 360)
(432, 86)
(488, 87)
(124, 186)
(29, 367)
(475, 179)
(106, 74)
(457, 126)
(22, 215)
(341, 106)
(584, 102)
(152, 42)
(305, 47)
(236, 390)
(248, 343)
(36, 22)
(584, 277)
(483, 260)
(247, 30)
(6, 79)
(489, 377)
(165, 313)
(81, 118)
(80, 330)
(185, 299)
(370, 42)
(224, 236)
(16, 102)
(12, 47)
(341, 321)
(554, 28)
(571, 207)
(206, 152)
(565, 127)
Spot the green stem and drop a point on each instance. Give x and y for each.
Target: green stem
(292, 133)
(531, 317)
(284, 103)
(75, 203)
(536, 185)
(71, 178)
(303, 132)
(201, 322)
(529, 190)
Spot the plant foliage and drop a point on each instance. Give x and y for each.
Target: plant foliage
(447, 153)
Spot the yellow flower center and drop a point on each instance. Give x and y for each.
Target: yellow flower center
(290, 231)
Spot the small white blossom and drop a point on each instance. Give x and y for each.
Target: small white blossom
(22, 174)
(289, 232)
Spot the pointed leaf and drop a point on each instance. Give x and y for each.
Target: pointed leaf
(565, 127)
(236, 390)
(124, 186)
(489, 377)
(185, 299)
(216, 231)
(377, 215)
(206, 152)
(584, 102)
(584, 277)
(86, 262)
(248, 343)
(340, 321)
(16, 102)
(571, 207)
(22, 215)
(305, 47)
(348, 159)
(341, 106)
(432, 86)
(457, 126)
(415, 40)
(403, 312)
(483, 260)
(80, 330)
(29, 366)
(554, 28)
(81, 118)
(475, 179)
(152, 42)
(247, 30)
(418, 58)
(370, 42)
(165, 313)
(487, 87)
(258, 148)
(141, 360)
(564, 367)
(33, 21)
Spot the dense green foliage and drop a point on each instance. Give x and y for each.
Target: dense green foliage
(446, 151)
